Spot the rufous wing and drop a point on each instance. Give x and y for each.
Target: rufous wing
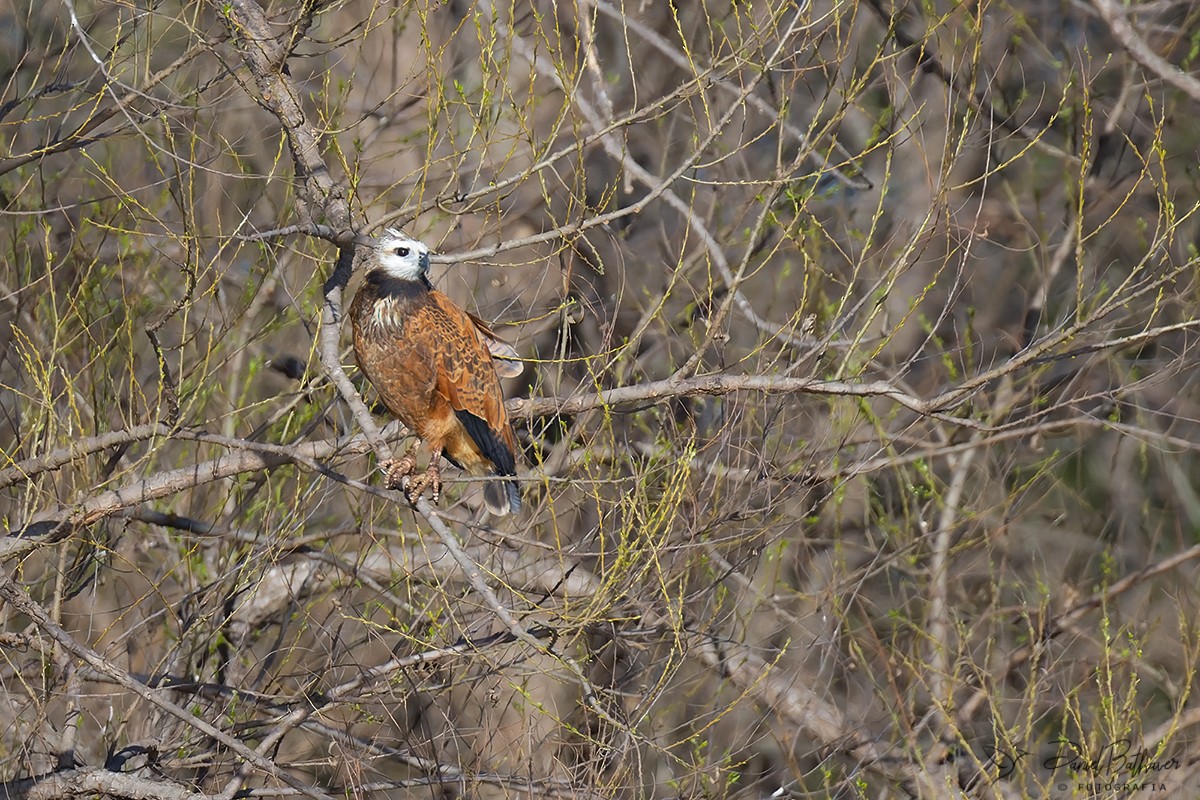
(467, 378)
(505, 358)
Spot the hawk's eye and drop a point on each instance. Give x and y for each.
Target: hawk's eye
(402, 252)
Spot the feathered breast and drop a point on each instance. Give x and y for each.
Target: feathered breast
(383, 305)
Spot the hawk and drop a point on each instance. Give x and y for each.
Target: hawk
(437, 369)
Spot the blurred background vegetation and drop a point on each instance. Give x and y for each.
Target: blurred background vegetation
(859, 415)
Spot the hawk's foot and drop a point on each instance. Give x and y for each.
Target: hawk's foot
(398, 471)
(431, 479)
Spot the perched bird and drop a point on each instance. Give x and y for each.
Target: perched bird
(436, 367)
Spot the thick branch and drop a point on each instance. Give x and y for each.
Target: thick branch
(95, 781)
(1114, 16)
(263, 55)
(78, 449)
(657, 391)
(167, 483)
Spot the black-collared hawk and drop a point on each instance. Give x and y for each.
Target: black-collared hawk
(437, 369)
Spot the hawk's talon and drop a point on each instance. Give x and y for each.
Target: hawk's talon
(398, 472)
(431, 478)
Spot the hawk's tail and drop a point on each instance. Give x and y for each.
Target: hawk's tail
(502, 497)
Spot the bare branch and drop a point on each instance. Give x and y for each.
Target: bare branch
(96, 781)
(1115, 17)
(19, 600)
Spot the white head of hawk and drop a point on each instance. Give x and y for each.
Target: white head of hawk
(402, 257)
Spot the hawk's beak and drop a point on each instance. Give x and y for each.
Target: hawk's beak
(424, 263)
